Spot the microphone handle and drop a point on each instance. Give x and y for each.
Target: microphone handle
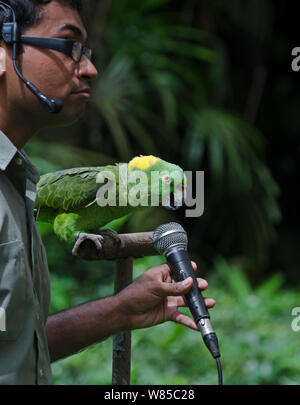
(180, 263)
(181, 267)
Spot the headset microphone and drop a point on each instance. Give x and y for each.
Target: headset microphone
(171, 240)
(52, 105)
(10, 35)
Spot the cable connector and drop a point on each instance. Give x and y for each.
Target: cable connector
(212, 344)
(211, 341)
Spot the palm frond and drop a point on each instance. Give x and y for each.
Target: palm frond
(242, 192)
(52, 156)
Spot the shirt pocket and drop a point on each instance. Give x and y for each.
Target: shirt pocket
(12, 289)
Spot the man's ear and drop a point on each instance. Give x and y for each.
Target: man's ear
(2, 60)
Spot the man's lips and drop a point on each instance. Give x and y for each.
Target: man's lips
(86, 92)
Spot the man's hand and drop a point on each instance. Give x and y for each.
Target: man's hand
(154, 298)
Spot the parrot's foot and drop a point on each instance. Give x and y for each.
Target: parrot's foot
(97, 239)
(112, 234)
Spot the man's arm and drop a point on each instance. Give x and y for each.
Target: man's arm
(71, 330)
(152, 299)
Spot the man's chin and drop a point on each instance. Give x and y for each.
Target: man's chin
(66, 117)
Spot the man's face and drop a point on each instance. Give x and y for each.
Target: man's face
(55, 74)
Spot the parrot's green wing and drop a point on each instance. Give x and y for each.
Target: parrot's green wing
(71, 189)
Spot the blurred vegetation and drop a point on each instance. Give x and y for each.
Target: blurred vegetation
(257, 342)
(193, 83)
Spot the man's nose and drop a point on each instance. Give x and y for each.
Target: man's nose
(87, 69)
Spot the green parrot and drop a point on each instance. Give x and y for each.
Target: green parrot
(79, 201)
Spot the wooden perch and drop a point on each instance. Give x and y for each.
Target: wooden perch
(120, 246)
(121, 359)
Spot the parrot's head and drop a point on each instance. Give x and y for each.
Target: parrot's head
(166, 181)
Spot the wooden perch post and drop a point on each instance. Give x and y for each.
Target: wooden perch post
(123, 248)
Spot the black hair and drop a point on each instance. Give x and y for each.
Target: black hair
(28, 12)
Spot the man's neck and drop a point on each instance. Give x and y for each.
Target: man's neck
(16, 137)
(18, 133)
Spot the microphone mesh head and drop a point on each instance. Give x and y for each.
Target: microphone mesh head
(169, 235)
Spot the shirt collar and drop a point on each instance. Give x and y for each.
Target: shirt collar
(7, 152)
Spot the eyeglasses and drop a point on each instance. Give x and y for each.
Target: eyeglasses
(70, 47)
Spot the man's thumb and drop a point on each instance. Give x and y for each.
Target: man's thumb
(178, 288)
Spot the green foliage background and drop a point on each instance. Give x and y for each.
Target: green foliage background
(185, 81)
(257, 342)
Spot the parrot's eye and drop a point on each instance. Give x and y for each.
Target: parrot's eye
(166, 179)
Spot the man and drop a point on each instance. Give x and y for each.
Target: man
(30, 339)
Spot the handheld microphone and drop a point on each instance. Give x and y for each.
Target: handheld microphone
(171, 240)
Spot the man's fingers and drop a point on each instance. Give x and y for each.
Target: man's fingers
(202, 284)
(179, 288)
(209, 302)
(194, 265)
(184, 320)
(181, 302)
(182, 287)
(165, 268)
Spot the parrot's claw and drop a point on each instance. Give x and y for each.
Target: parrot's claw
(112, 234)
(97, 239)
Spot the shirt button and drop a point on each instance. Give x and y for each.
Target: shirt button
(41, 372)
(38, 316)
(18, 161)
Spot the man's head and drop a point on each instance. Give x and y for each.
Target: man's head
(56, 74)
(28, 12)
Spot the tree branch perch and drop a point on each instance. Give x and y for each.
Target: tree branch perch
(120, 247)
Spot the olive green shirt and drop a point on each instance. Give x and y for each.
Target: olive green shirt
(24, 275)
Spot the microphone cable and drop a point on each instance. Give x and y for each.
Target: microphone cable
(220, 373)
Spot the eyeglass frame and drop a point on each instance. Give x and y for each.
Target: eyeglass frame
(66, 46)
